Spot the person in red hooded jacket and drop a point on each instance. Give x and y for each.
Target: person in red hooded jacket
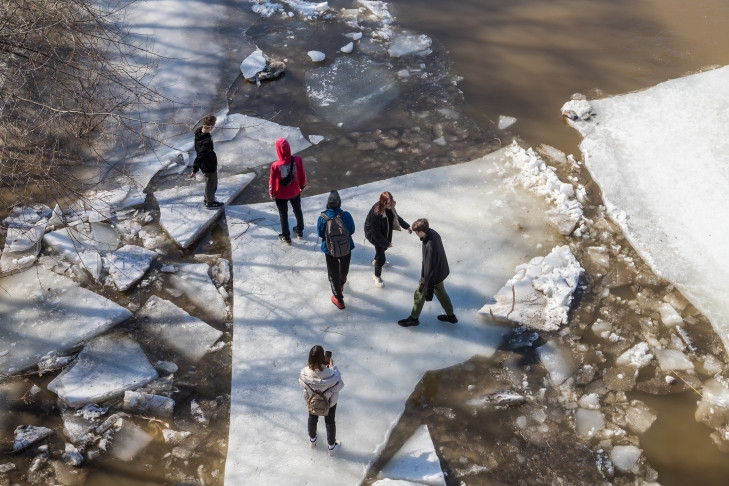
(287, 180)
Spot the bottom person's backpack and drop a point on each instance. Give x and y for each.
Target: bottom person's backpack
(318, 403)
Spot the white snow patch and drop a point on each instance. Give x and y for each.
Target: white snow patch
(416, 461)
(540, 293)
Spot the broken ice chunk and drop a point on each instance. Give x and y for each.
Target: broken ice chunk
(669, 316)
(673, 360)
(27, 435)
(128, 264)
(558, 361)
(252, 65)
(626, 457)
(416, 461)
(588, 422)
(316, 56)
(505, 122)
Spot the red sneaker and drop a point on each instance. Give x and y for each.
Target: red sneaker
(337, 302)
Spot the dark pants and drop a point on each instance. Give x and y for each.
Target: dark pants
(338, 268)
(328, 421)
(380, 259)
(211, 186)
(283, 214)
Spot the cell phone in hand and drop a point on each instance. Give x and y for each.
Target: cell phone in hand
(327, 356)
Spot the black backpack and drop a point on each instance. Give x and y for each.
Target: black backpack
(337, 236)
(318, 403)
(285, 181)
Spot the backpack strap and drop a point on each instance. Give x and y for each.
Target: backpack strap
(323, 391)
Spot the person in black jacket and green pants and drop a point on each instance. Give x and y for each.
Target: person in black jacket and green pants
(432, 276)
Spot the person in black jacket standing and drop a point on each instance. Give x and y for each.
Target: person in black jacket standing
(380, 222)
(433, 274)
(206, 161)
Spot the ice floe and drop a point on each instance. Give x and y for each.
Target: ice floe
(106, 367)
(416, 461)
(44, 312)
(182, 214)
(540, 293)
(282, 307)
(176, 329)
(194, 281)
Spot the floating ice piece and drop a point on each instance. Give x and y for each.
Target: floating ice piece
(668, 196)
(257, 140)
(505, 122)
(673, 360)
(639, 417)
(43, 312)
(669, 316)
(350, 90)
(558, 360)
(148, 404)
(713, 409)
(553, 153)
(197, 412)
(177, 329)
(638, 356)
(26, 226)
(129, 441)
(128, 264)
(348, 48)
(27, 435)
(540, 293)
(315, 139)
(252, 65)
(316, 56)
(500, 400)
(182, 214)
(107, 366)
(626, 458)
(538, 177)
(416, 461)
(72, 456)
(588, 422)
(406, 44)
(193, 280)
(354, 35)
(378, 12)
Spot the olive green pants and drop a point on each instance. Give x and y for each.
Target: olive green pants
(440, 293)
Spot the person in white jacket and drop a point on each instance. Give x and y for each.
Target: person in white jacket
(322, 376)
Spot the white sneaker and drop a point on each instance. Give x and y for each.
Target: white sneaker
(378, 281)
(334, 448)
(312, 442)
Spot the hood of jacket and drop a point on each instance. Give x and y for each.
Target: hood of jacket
(283, 150)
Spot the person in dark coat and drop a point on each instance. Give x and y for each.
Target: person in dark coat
(206, 161)
(432, 276)
(286, 181)
(337, 267)
(380, 222)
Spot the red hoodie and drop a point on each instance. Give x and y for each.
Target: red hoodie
(297, 184)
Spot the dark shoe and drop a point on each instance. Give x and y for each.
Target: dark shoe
(299, 233)
(408, 322)
(446, 318)
(284, 239)
(337, 302)
(214, 205)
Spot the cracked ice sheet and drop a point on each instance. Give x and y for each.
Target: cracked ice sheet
(182, 214)
(282, 307)
(254, 144)
(36, 320)
(661, 159)
(416, 461)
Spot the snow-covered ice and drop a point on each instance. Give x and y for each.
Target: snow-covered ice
(252, 65)
(44, 312)
(660, 157)
(181, 211)
(416, 461)
(128, 264)
(540, 293)
(106, 367)
(177, 329)
(282, 307)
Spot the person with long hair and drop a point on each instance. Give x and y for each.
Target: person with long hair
(321, 375)
(381, 221)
